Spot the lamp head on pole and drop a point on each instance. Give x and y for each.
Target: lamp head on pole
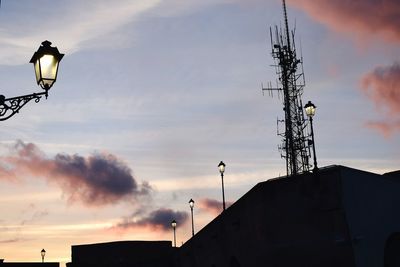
(310, 109)
(221, 167)
(173, 224)
(46, 60)
(43, 253)
(191, 203)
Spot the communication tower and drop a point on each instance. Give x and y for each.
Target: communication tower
(295, 147)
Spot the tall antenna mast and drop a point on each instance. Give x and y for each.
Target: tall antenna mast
(295, 147)
(286, 24)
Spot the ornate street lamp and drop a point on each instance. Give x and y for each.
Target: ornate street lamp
(310, 112)
(46, 60)
(173, 224)
(310, 109)
(221, 167)
(191, 204)
(43, 253)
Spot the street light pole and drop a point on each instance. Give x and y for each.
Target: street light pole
(191, 204)
(313, 141)
(310, 111)
(173, 224)
(46, 61)
(43, 253)
(221, 167)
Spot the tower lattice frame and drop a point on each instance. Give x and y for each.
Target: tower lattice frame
(295, 147)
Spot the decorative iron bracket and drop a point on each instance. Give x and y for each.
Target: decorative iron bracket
(10, 106)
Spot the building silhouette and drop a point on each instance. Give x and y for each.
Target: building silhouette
(124, 254)
(337, 216)
(28, 264)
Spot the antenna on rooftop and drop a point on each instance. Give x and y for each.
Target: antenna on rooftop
(295, 139)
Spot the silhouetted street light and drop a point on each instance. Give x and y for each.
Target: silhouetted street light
(46, 60)
(191, 204)
(173, 224)
(221, 167)
(43, 253)
(310, 111)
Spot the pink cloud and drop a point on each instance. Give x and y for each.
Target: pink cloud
(382, 86)
(96, 180)
(367, 19)
(363, 18)
(7, 174)
(387, 129)
(212, 206)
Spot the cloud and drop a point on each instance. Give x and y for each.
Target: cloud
(156, 220)
(367, 19)
(7, 174)
(212, 206)
(73, 25)
(95, 180)
(387, 129)
(169, 8)
(382, 86)
(34, 215)
(13, 240)
(362, 18)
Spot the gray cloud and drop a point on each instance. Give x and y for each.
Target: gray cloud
(158, 219)
(95, 180)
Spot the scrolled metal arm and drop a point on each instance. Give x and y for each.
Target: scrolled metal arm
(11, 106)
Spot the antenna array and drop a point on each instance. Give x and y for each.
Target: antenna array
(295, 147)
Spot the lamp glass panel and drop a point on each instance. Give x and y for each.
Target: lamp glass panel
(48, 65)
(221, 168)
(37, 71)
(46, 83)
(310, 111)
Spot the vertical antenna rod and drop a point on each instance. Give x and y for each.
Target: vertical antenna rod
(286, 24)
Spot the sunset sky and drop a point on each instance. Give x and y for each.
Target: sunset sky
(153, 94)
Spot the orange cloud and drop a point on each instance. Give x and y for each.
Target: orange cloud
(363, 18)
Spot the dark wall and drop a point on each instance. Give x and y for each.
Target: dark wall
(294, 221)
(336, 217)
(392, 248)
(372, 204)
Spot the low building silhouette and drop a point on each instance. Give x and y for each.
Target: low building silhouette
(337, 216)
(28, 264)
(123, 254)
